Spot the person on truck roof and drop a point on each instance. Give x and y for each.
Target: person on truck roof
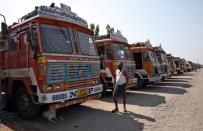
(120, 86)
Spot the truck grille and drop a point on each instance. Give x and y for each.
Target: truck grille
(66, 72)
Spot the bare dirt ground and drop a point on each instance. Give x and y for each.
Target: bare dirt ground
(175, 104)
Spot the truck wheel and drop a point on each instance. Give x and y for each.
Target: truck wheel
(24, 105)
(163, 78)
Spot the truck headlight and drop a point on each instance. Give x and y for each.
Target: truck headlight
(49, 88)
(57, 87)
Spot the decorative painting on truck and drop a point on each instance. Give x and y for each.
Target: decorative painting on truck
(65, 72)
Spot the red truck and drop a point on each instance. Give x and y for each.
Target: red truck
(48, 58)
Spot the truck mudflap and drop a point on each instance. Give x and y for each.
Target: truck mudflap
(3, 100)
(69, 94)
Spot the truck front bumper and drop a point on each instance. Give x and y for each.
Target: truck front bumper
(132, 82)
(69, 94)
(59, 105)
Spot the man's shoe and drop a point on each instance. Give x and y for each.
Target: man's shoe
(115, 110)
(125, 110)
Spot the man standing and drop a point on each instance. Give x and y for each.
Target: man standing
(120, 86)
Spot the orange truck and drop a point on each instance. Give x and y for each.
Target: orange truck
(147, 65)
(163, 61)
(49, 59)
(113, 49)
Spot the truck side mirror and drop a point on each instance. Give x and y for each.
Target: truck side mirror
(29, 38)
(4, 30)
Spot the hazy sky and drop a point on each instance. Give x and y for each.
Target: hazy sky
(176, 24)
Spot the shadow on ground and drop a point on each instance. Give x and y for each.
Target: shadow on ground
(175, 80)
(137, 98)
(81, 118)
(174, 84)
(181, 78)
(164, 88)
(187, 74)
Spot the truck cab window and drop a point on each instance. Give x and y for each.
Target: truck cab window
(14, 44)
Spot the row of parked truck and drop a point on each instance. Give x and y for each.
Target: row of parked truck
(145, 64)
(50, 58)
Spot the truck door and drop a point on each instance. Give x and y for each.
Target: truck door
(101, 52)
(18, 52)
(23, 52)
(2, 92)
(138, 60)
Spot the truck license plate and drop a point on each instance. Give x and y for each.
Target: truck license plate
(82, 93)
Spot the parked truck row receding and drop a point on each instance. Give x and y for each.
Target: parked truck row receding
(50, 58)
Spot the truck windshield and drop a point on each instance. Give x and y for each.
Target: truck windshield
(170, 60)
(86, 44)
(149, 57)
(57, 39)
(120, 52)
(163, 57)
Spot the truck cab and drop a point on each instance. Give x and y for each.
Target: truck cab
(188, 66)
(172, 64)
(147, 65)
(113, 49)
(51, 60)
(164, 65)
(179, 65)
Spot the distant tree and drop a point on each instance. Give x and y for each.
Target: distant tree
(97, 30)
(92, 27)
(108, 29)
(112, 30)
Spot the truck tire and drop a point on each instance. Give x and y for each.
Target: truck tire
(163, 78)
(24, 105)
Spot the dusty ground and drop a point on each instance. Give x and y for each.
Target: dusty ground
(173, 105)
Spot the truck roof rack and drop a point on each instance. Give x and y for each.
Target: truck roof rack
(115, 36)
(64, 12)
(142, 44)
(159, 48)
